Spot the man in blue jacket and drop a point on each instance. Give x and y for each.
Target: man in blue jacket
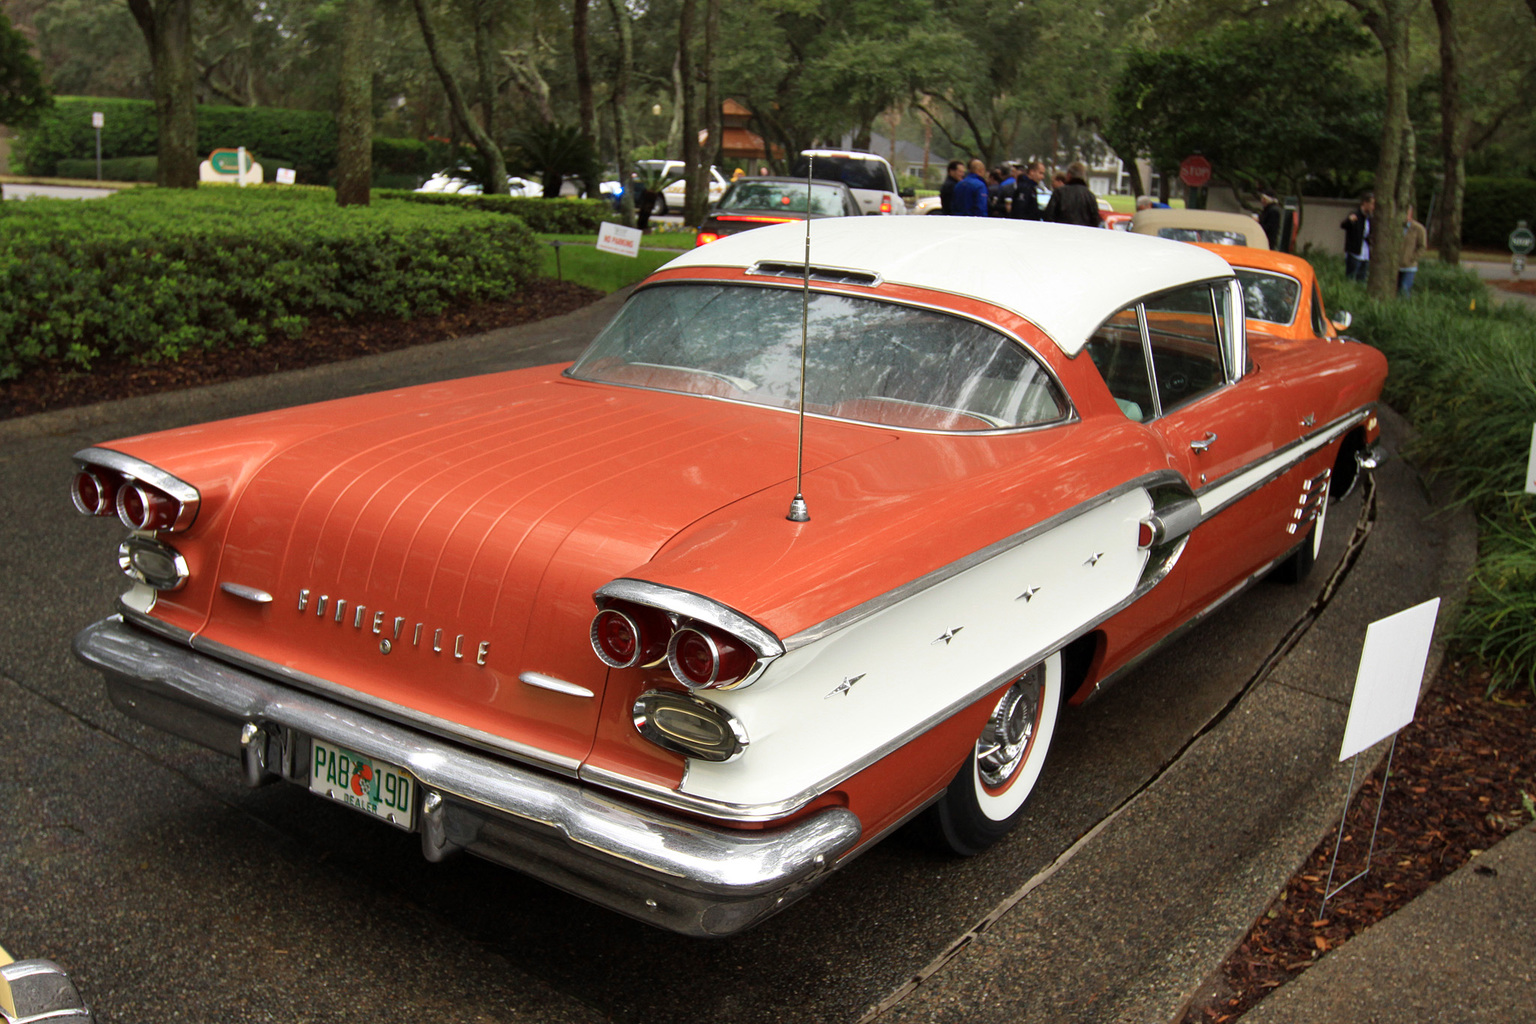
(971, 196)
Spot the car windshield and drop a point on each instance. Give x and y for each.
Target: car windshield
(855, 172)
(1210, 236)
(866, 360)
(1269, 297)
(783, 197)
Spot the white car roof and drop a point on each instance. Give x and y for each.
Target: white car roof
(1063, 278)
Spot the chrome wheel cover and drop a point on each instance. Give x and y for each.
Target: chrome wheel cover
(1006, 738)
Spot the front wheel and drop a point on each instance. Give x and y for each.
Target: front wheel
(986, 798)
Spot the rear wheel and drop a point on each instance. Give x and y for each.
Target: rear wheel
(986, 798)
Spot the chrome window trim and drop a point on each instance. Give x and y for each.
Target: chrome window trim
(1068, 417)
(138, 469)
(353, 698)
(1300, 291)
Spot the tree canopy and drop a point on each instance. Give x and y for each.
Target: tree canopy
(22, 92)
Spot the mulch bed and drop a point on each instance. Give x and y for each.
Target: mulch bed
(1523, 287)
(325, 340)
(1463, 777)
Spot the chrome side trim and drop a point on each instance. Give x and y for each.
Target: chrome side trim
(898, 594)
(1222, 494)
(246, 593)
(668, 871)
(138, 469)
(345, 695)
(545, 682)
(692, 606)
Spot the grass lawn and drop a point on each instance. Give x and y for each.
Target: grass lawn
(579, 260)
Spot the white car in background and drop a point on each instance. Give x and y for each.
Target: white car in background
(867, 175)
(457, 180)
(672, 197)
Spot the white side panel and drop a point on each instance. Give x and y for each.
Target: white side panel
(826, 710)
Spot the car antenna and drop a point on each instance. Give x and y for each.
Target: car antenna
(798, 513)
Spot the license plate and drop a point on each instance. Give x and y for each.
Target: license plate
(373, 786)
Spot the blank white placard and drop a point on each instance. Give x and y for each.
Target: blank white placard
(1391, 670)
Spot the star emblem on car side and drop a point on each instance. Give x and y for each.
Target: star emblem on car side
(844, 686)
(946, 636)
(1093, 559)
(1028, 595)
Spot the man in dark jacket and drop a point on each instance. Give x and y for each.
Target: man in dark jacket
(1074, 202)
(1357, 238)
(971, 197)
(952, 177)
(1026, 196)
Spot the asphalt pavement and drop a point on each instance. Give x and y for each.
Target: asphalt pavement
(1170, 813)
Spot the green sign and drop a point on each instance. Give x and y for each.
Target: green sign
(227, 161)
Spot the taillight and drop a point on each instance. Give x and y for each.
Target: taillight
(705, 237)
(142, 507)
(885, 204)
(627, 635)
(95, 493)
(701, 657)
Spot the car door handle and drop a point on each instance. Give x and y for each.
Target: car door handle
(1202, 444)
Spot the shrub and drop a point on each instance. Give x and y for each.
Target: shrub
(545, 216)
(118, 168)
(1463, 370)
(148, 274)
(1492, 206)
(306, 138)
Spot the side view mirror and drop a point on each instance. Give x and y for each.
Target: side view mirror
(1345, 318)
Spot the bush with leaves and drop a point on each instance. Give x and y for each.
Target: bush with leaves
(23, 95)
(545, 216)
(148, 274)
(1463, 371)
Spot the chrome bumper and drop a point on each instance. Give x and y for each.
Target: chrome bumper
(665, 870)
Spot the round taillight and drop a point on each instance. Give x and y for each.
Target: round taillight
(705, 237)
(701, 658)
(94, 495)
(141, 507)
(630, 635)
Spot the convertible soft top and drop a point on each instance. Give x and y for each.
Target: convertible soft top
(1062, 278)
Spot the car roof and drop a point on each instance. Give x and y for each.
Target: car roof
(786, 179)
(1250, 258)
(1147, 222)
(1064, 279)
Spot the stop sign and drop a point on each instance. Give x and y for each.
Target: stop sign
(1195, 171)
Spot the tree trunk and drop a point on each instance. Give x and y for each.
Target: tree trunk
(488, 149)
(354, 117)
(714, 116)
(584, 105)
(1453, 135)
(485, 76)
(167, 28)
(693, 207)
(621, 75)
(1388, 21)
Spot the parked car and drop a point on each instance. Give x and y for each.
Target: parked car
(457, 179)
(757, 202)
(675, 192)
(869, 177)
(1281, 296)
(768, 571)
(1213, 226)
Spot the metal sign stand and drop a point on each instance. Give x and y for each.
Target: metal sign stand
(1329, 890)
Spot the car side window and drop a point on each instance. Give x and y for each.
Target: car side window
(1185, 338)
(1116, 350)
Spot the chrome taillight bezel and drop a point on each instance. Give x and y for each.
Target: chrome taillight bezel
(652, 708)
(172, 577)
(104, 486)
(171, 503)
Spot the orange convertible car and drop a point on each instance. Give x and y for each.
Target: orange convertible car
(792, 554)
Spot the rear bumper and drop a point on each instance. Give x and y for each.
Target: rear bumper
(659, 868)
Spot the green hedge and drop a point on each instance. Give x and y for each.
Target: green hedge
(1491, 208)
(545, 216)
(150, 273)
(118, 168)
(1463, 371)
(305, 139)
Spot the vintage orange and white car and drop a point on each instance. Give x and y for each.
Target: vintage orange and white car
(614, 625)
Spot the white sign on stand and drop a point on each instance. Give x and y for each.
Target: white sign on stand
(618, 238)
(1530, 466)
(1391, 671)
(98, 119)
(285, 176)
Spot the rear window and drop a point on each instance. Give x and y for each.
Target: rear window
(783, 196)
(855, 172)
(1206, 235)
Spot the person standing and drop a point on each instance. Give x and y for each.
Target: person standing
(1270, 217)
(971, 196)
(1026, 192)
(1415, 241)
(1000, 189)
(1074, 202)
(1357, 238)
(952, 176)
